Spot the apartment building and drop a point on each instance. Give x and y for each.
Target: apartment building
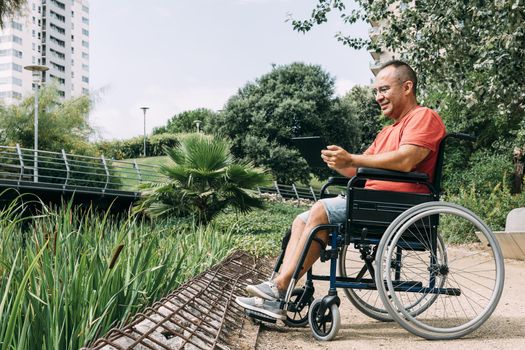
(382, 55)
(53, 33)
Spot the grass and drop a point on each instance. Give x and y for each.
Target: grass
(67, 277)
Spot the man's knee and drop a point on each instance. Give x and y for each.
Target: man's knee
(318, 214)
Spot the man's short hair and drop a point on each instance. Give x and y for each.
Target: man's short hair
(404, 72)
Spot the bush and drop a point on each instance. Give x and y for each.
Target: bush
(259, 232)
(492, 208)
(484, 171)
(134, 147)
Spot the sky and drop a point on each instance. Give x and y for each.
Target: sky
(178, 55)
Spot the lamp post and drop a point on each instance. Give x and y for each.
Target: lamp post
(37, 75)
(144, 109)
(197, 124)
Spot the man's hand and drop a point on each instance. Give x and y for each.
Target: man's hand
(336, 157)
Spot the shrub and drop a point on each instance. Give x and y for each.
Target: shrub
(492, 209)
(260, 231)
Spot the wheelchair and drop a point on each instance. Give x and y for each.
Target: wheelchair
(392, 262)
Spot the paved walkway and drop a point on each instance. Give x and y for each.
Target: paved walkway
(504, 330)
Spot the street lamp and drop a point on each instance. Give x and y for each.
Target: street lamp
(198, 124)
(37, 74)
(144, 109)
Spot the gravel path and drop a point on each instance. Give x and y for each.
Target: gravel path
(505, 329)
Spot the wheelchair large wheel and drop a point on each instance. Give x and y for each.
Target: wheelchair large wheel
(324, 327)
(462, 287)
(367, 300)
(299, 317)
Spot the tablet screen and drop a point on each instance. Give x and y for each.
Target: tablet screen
(310, 148)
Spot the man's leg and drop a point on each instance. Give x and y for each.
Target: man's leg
(293, 251)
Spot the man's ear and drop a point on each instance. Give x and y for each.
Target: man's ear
(408, 87)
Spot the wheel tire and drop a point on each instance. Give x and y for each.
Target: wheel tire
(367, 301)
(324, 328)
(475, 278)
(297, 319)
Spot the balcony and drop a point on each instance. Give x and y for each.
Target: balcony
(375, 66)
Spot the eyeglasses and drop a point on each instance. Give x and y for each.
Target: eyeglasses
(383, 90)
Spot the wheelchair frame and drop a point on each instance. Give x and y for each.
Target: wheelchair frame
(371, 227)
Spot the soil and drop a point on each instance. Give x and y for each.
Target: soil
(505, 329)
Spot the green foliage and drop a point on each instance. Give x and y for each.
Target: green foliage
(134, 147)
(9, 8)
(363, 107)
(75, 275)
(203, 181)
(185, 122)
(260, 231)
(484, 171)
(468, 55)
(291, 100)
(63, 124)
(492, 208)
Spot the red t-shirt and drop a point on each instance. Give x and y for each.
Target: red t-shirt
(420, 127)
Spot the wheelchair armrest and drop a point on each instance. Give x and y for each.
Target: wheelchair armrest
(391, 175)
(337, 181)
(333, 181)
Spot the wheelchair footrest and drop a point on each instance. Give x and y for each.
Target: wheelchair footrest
(259, 316)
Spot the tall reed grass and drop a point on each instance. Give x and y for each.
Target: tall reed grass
(67, 277)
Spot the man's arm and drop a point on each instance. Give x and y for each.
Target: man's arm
(404, 159)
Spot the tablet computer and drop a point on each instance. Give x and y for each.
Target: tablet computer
(310, 148)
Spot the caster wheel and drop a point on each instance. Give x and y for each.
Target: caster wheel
(324, 327)
(299, 317)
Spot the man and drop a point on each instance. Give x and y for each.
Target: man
(409, 144)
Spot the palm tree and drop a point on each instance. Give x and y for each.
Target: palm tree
(203, 180)
(9, 8)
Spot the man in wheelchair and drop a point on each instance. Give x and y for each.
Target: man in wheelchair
(411, 143)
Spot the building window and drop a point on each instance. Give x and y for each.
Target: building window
(59, 42)
(9, 66)
(85, 67)
(85, 44)
(85, 8)
(10, 80)
(57, 54)
(85, 55)
(10, 38)
(57, 28)
(61, 93)
(85, 79)
(85, 20)
(10, 94)
(85, 91)
(16, 25)
(85, 32)
(11, 52)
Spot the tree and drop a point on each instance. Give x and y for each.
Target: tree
(186, 122)
(204, 180)
(290, 101)
(469, 55)
(9, 8)
(362, 105)
(63, 124)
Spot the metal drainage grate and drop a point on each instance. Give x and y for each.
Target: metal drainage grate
(200, 314)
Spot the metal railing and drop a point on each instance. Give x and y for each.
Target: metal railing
(291, 191)
(73, 172)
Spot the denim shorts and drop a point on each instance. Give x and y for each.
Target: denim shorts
(335, 210)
